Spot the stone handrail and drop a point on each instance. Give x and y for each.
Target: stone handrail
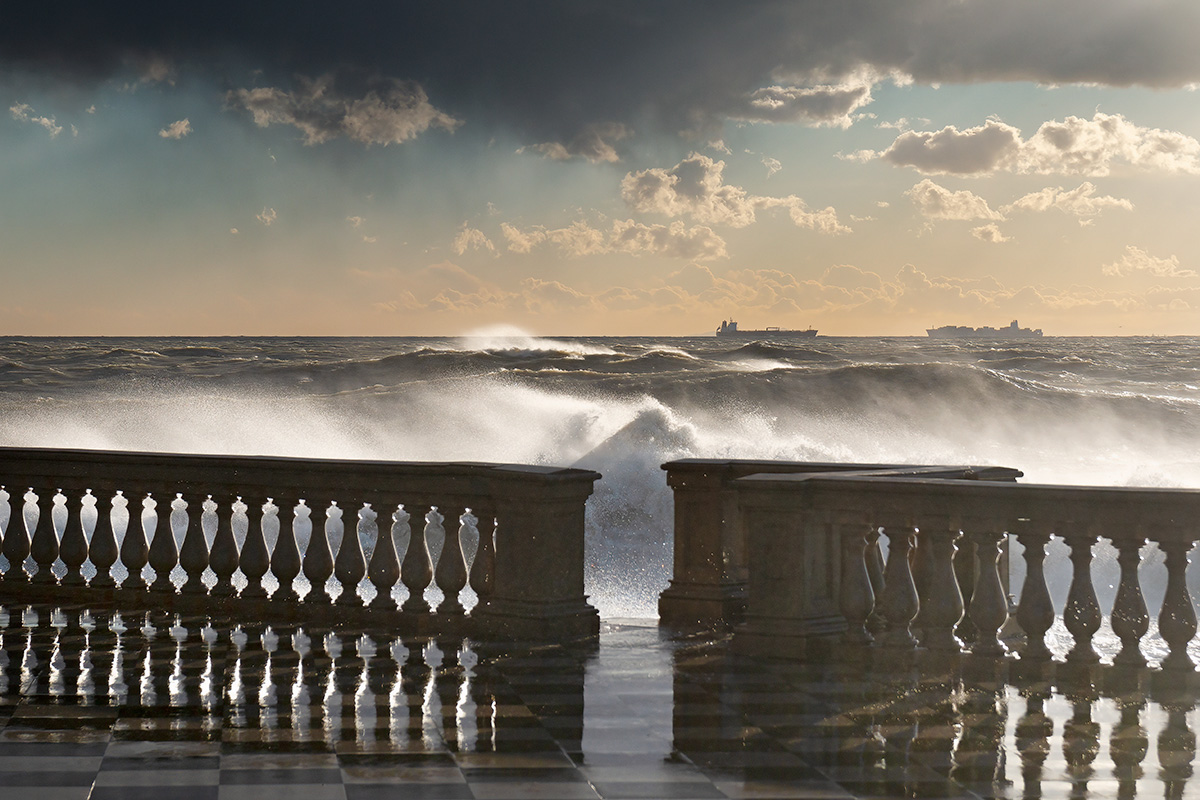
(709, 583)
(811, 541)
(66, 508)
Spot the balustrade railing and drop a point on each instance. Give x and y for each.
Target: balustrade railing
(240, 535)
(710, 578)
(814, 569)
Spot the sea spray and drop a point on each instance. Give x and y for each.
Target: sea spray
(1102, 411)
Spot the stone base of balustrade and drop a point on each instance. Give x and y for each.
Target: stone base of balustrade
(684, 605)
(1175, 685)
(518, 620)
(796, 639)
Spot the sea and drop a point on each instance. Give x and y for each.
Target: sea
(1104, 411)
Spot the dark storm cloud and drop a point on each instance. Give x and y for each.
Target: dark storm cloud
(549, 69)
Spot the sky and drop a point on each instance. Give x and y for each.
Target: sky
(864, 167)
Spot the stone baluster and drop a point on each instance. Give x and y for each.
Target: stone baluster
(193, 556)
(989, 604)
(416, 571)
(451, 574)
(384, 569)
(135, 549)
(318, 559)
(285, 559)
(164, 554)
(16, 538)
(102, 550)
(942, 602)
(1035, 613)
(1177, 617)
(44, 544)
(223, 560)
(874, 559)
(255, 560)
(964, 570)
(1130, 618)
(73, 549)
(857, 597)
(350, 566)
(1081, 614)
(483, 568)
(899, 599)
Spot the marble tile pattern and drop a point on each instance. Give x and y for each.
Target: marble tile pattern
(102, 706)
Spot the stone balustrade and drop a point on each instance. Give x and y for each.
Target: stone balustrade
(238, 536)
(816, 572)
(710, 578)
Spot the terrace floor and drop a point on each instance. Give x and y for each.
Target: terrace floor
(92, 706)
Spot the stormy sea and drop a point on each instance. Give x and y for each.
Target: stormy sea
(1112, 411)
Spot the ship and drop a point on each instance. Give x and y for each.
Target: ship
(730, 328)
(1013, 331)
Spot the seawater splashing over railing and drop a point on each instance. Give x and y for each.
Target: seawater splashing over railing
(355, 542)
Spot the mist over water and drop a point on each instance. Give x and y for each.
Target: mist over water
(1103, 411)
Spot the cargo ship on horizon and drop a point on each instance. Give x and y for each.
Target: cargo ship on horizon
(730, 328)
(1013, 331)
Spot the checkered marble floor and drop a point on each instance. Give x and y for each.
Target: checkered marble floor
(103, 706)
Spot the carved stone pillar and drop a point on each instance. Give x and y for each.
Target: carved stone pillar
(416, 571)
(384, 569)
(942, 603)
(349, 566)
(224, 557)
(102, 550)
(1035, 613)
(255, 560)
(451, 573)
(989, 603)
(483, 568)
(135, 551)
(73, 549)
(318, 559)
(193, 555)
(43, 545)
(164, 554)
(1130, 618)
(1082, 612)
(285, 559)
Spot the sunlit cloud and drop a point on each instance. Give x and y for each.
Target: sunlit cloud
(1074, 146)
(471, 239)
(267, 217)
(939, 203)
(388, 112)
(1136, 260)
(23, 112)
(695, 187)
(1081, 202)
(176, 130)
(990, 233)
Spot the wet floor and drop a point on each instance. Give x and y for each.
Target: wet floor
(106, 706)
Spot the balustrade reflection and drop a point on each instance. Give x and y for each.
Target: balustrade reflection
(271, 683)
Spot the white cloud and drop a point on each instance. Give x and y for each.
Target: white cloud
(176, 130)
(773, 165)
(974, 151)
(594, 143)
(1136, 260)
(389, 112)
(267, 216)
(990, 233)
(1073, 146)
(471, 239)
(355, 222)
(1093, 146)
(23, 112)
(938, 202)
(1081, 202)
(676, 240)
(695, 187)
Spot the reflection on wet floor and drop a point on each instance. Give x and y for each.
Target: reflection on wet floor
(111, 705)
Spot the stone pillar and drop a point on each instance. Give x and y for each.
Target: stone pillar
(538, 591)
(708, 585)
(793, 554)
